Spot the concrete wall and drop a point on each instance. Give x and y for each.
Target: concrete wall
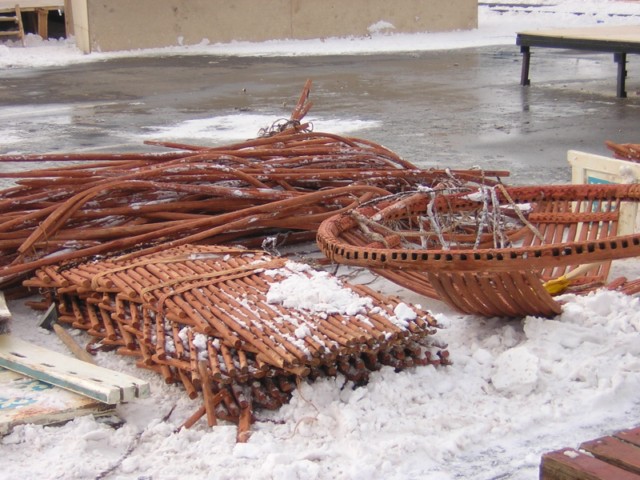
(108, 25)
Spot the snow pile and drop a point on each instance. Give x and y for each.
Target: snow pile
(515, 390)
(238, 127)
(315, 291)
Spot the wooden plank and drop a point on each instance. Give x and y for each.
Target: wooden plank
(43, 22)
(5, 315)
(615, 451)
(25, 400)
(569, 464)
(592, 168)
(618, 39)
(632, 435)
(69, 373)
(73, 346)
(30, 5)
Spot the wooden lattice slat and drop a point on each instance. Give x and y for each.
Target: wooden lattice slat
(177, 308)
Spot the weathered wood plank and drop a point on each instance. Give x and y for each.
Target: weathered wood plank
(632, 435)
(570, 464)
(601, 33)
(26, 400)
(66, 372)
(5, 315)
(30, 5)
(614, 451)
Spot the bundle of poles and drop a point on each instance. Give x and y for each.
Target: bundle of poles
(625, 151)
(285, 182)
(203, 316)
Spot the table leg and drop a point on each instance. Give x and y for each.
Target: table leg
(43, 22)
(621, 60)
(526, 58)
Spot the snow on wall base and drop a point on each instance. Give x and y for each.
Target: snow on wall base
(124, 25)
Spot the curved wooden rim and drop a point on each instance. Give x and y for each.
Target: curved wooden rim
(331, 242)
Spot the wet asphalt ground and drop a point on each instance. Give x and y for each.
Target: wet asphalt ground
(455, 109)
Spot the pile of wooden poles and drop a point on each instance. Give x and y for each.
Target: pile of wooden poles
(202, 316)
(625, 151)
(286, 182)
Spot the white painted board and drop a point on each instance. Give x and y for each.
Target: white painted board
(69, 373)
(25, 400)
(591, 168)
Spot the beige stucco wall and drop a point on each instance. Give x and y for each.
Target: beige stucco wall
(109, 25)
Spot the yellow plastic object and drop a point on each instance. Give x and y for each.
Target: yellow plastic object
(558, 285)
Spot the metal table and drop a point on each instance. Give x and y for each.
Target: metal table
(619, 40)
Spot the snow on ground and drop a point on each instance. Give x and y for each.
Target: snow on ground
(515, 390)
(232, 128)
(496, 26)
